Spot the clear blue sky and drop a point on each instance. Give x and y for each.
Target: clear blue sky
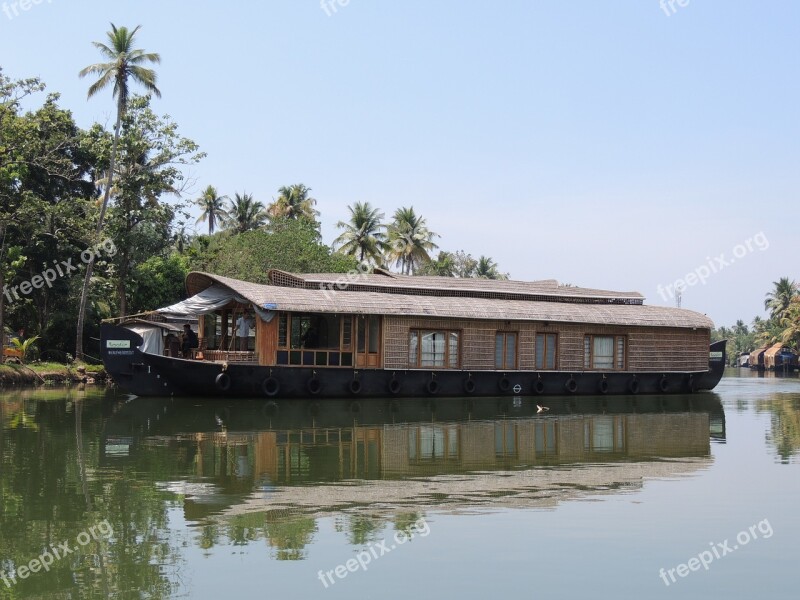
(604, 144)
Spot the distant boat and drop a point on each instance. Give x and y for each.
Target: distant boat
(388, 335)
(779, 357)
(757, 358)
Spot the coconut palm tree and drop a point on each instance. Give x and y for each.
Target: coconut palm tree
(487, 269)
(790, 323)
(212, 205)
(124, 63)
(294, 203)
(363, 234)
(777, 301)
(409, 240)
(244, 214)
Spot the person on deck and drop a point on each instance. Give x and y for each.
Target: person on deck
(189, 340)
(243, 325)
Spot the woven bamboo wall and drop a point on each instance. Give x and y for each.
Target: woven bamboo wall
(649, 349)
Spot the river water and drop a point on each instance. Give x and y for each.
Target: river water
(108, 496)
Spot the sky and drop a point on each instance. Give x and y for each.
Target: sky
(621, 145)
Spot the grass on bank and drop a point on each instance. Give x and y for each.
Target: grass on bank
(36, 372)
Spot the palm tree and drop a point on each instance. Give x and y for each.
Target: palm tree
(212, 205)
(363, 235)
(294, 203)
(791, 323)
(777, 301)
(245, 213)
(125, 62)
(444, 265)
(487, 269)
(410, 240)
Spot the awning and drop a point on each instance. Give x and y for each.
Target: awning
(207, 301)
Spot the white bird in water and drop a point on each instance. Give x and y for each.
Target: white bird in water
(540, 408)
(219, 421)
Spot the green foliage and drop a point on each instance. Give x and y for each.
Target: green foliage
(363, 235)
(289, 244)
(158, 282)
(245, 213)
(24, 347)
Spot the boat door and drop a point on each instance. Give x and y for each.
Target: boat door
(368, 341)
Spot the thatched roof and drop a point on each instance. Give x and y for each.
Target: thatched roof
(393, 283)
(316, 300)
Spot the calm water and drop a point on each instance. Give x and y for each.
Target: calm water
(162, 498)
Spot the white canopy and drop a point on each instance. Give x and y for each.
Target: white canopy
(153, 338)
(207, 301)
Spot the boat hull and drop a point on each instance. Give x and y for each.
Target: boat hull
(145, 374)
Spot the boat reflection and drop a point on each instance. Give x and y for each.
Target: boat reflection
(234, 457)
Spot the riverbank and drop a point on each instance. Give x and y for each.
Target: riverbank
(38, 373)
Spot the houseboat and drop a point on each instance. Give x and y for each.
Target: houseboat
(757, 358)
(780, 357)
(382, 334)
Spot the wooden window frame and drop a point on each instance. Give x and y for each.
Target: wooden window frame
(447, 332)
(615, 337)
(505, 366)
(536, 363)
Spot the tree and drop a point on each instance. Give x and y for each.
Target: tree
(487, 269)
(363, 234)
(294, 203)
(790, 323)
(125, 62)
(151, 156)
(245, 213)
(777, 301)
(443, 265)
(46, 194)
(212, 205)
(287, 244)
(409, 240)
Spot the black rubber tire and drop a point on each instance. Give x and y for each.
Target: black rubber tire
(663, 385)
(223, 382)
(538, 387)
(394, 387)
(602, 386)
(571, 385)
(469, 386)
(633, 386)
(314, 386)
(432, 387)
(270, 386)
(355, 387)
(504, 384)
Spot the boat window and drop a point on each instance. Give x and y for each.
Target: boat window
(546, 345)
(433, 349)
(374, 333)
(604, 352)
(283, 330)
(347, 332)
(505, 350)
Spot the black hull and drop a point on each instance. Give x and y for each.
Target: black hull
(152, 375)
